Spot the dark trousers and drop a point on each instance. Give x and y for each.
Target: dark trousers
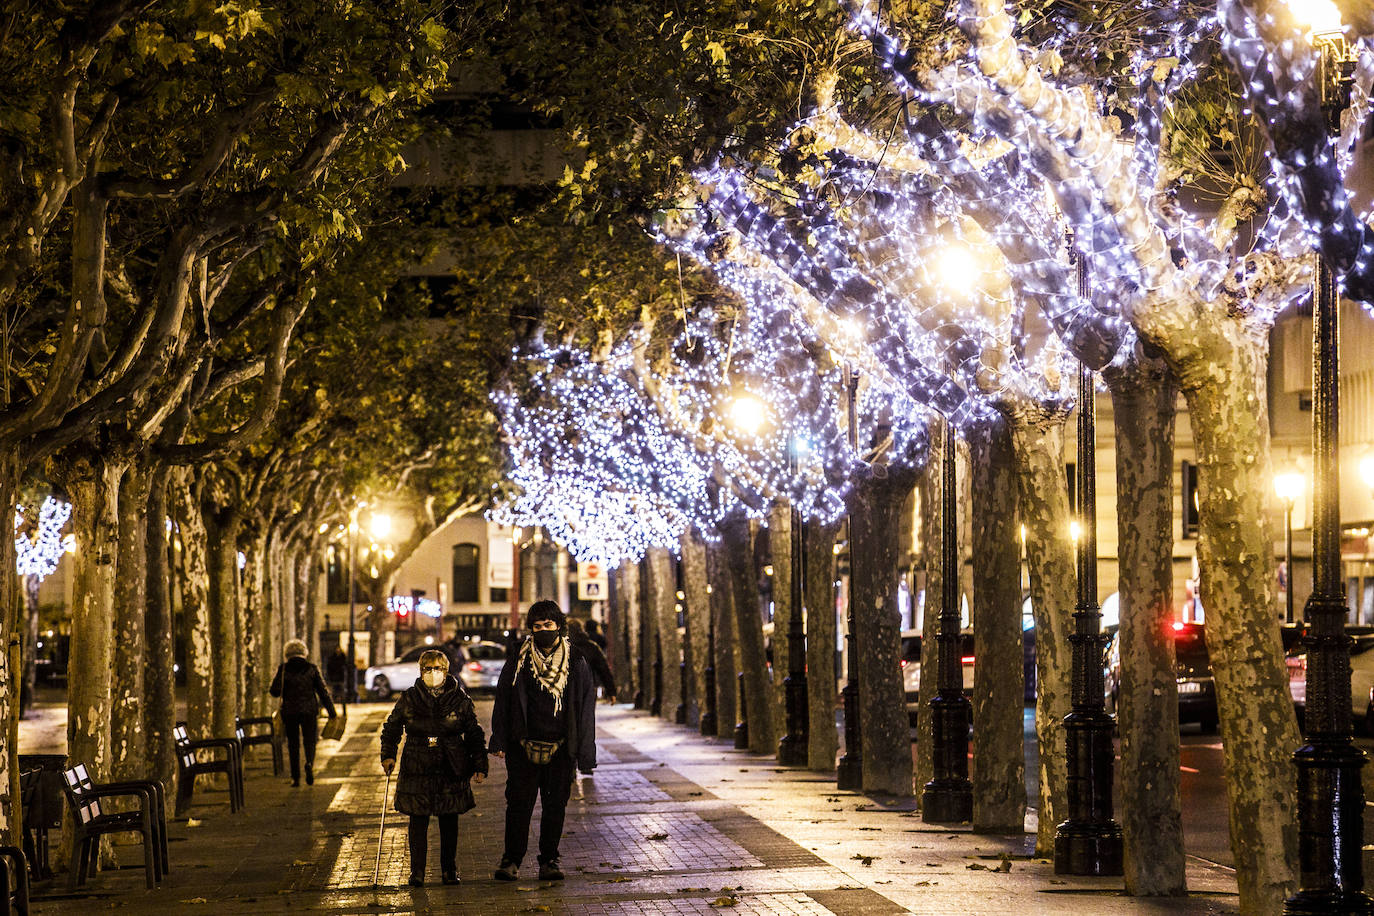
(300, 727)
(419, 842)
(551, 784)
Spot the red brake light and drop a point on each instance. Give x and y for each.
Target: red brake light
(474, 666)
(1178, 625)
(967, 659)
(902, 663)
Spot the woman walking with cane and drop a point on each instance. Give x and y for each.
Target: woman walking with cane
(445, 749)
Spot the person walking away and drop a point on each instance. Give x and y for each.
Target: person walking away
(445, 752)
(336, 670)
(544, 725)
(595, 635)
(596, 659)
(302, 691)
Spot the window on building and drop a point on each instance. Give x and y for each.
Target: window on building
(336, 575)
(1188, 481)
(500, 595)
(465, 577)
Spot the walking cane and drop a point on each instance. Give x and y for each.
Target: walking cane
(377, 869)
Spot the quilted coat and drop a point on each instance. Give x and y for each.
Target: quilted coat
(444, 746)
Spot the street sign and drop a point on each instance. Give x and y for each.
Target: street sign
(592, 582)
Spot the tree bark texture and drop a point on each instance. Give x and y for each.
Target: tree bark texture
(663, 599)
(932, 540)
(159, 708)
(307, 597)
(222, 528)
(634, 675)
(779, 536)
(1043, 497)
(648, 628)
(1259, 730)
(698, 604)
(821, 680)
(1143, 400)
(744, 585)
(196, 628)
(128, 739)
(10, 824)
(614, 630)
(94, 489)
(726, 663)
(999, 769)
(876, 555)
(255, 616)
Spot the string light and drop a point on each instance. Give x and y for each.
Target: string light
(39, 552)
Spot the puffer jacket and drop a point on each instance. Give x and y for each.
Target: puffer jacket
(444, 746)
(301, 688)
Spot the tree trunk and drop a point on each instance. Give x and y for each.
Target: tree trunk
(29, 632)
(306, 598)
(128, 739)
(256, 616)
(1043, 495)
(95, 506)
(744, 585)
(999, 769)
(663, 600)
(634, 675)
(821, 692)
(779, 536)
(197, 632)
(617, 642)
(1259, 730)
(11, 823)
(723, 613)
(695, 586)
(159, 709)
(644, 621)
(932, 539)
(876, 555)
(1143, 397)
(222, 529)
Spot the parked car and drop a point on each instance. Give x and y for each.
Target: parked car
(483, 666)
(382, 681)
(1361, 674)
(1197, 693)
(911, 667)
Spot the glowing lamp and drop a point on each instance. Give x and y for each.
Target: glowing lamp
(1321, 17)
(748, 414)
(381, 525)
(1288, 486)
(957, 268)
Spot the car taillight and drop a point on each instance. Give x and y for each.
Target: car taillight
(967, 659)
(474, 666)
(902, 663)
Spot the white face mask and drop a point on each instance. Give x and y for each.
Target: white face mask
(434, 678)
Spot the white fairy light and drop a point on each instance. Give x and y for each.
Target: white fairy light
(39, 552)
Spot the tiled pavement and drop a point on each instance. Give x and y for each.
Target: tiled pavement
(670, 823)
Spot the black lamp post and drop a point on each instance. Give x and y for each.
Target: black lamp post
(708, 711)
(948, 797)
(849, 773)
(680, 713)
(792, 749)
(351, 688)
(1288, 485)
(1330, 795)
(1089, 842)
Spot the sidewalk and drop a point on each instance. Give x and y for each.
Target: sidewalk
(670, 823)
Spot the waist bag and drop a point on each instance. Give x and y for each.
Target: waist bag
(540, 752)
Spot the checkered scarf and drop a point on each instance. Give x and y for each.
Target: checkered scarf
(550, 671)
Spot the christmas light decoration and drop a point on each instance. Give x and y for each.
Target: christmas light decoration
(39, 552)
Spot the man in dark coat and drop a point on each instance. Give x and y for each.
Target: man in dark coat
(337, 671)
(595, 635)
(445, 751)
(544, 725)
(302, 691)
(596, 659)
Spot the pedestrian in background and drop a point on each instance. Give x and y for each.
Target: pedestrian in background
(336, 671)
(596, 659)
(595, 635)
(445, 752)
(544, 725)
(303, 692)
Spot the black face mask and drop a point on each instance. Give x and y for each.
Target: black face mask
(545, 639)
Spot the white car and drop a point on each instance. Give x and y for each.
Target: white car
(1361, 677)
(911, 667)
(483, 666)
(398, 676)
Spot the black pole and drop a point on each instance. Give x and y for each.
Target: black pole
(1330, 796)
(656, 707)
(849, 772)
(684, 645)
(708, 711)
(1089, 842)
(948, 797)
(792, 749)
(742, 724)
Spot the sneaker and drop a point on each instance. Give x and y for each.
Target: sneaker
(450, 877)
(417, 880)
(505, 871)
(309, 774)
(549, 871)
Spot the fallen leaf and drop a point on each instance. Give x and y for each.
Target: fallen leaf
(657, 836)
(867, 860)
(721, 902)
(192, 822)
(300, 862)
(196, 900)
(618, 879)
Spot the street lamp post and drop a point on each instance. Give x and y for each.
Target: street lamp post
(948, 797)
(1288, 486)
(351, 691)
(1330, 794)
(792, 749)
(849, 772)
(708, 712)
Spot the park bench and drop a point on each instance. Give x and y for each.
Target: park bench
(247, 738)
(90, 822)
(14, 873)
(189, 766)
